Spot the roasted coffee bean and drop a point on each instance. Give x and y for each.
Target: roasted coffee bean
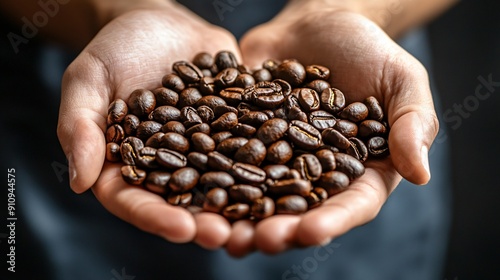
(327, 159)
(175, 141)
(198, 160)
(322, 119)
(157, 181)
(293, 110)
(232, 95)
(202, 127)
(375, 111)
(248, 173)
(141, 102)
(207, 85)
(318, 85)
(269, 113)
(270, 64)
(378, 146)
(316, 197)
(243, 69)
(291, 204)
(276, 171)
(215, 200)
(115, 134)
(130, 148)
(280, 113)
(333, 182)
(262, 208)
(225, 59)
(291, 186)
(332, 100)
(254, 118)
(222, 109)
(203, 60)
(202, 142)
(291, 71)
(206, 113)
(371, 128)
(349, 165)
(219, 179)
(314, 72)
(133, 175)
(286, 88)
(206, 73)
(164, 114)
(221, 136)
(253, 152)
(173, 82)
(189, 116)
(244, 81)
(245, 193)
(170, 159)
(304, 135)
(244, 108)
(211, 101)
(130, 124)
(188, 72)
(347, 128)
(355, 112)
(147, 158)
(236, 211)
(189, 97)
(146, 129)
(262, 75)
(229, 146)
(308, 99)
(335, 138)
(225, 122)
(267, 95)
(113, 152)
(280, 152)
(308, 166)
(218, 161)
(173, 126)
(180, 199)
(184, 179)
(226, 78)
(357, 149)
(165, 97)
(272, 130)
(117, 111)
(243, 130)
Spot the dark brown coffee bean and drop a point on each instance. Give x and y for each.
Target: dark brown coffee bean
(304, 135)
(165, 97)
(244, 81)
(267, 95)
(355, 112)
(254, 118)
(244, 130)
(322, 119)
(308, 166)
(286, 88)
(262, 75)
(132, 175)
(173, 126)
(170, 159)
(218, 161)
(180, 199)
(225, 59)
(327, 159)
(175, 141)
(232, 95)
(198, 160)
(146, 129)
(221, 136)
(314, 72)
(349, 165)
(280, 152)
(219, 179)
(157, 181)
(184, 179)
(243, 69)
(291, 186)
(225, 122)
(371, 128)
(276, 172)
(335, 138)
(207, 85)
(357, 149)
(293, 110)
(188, 72)
(206, 113)
(291, 71)
(113, 152)
(173, 82)
(378, 146)
(280, 113)
(248, 173)
(333, 182)
(253, 152)
(332, 100)
(189, 97)
(237, 211)
(203, 60)
(263, 208)
(245, 193)
(270, 64)
(244, 108)
(222, 109)
(189, 117)
(226, 78)
(272, 130)
(229, 146)
(291, 204)
(347, 128)
(202, 142)
(130, 148)
(202, 127)
(115, 134)
(211, 101)
(316, 197)
(318, 85)
(117, 111)
(141, 102)
(375, 111)
(164, 114)
(130, 124)
(147, 158)
(215, 200)
(308, 99)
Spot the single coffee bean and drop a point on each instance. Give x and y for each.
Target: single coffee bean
(115, 134)
(218, 161)
(206, 113)
(291, 186)
(222, 109)
(225, 122)
(113, 152)
(291, 204)
(215, 200)
(130, 124)
(219, 179)
(335, 138)
(280, 152)
(355, 112)
(245, 193)
(189, 97)
(276, 171)
(293, 110)
(349, 165)
(262, 208)
(327, 159)
(184, 179)
(175, 141)
(286, 88)
(198, 160)
(280, 113)
(347, 128)
(378, 146)
(244, 81)
(207, 84)
(189, 116)
(304, 135)
(333, 182)
(291, 71)
(267, 95)
(130, 148)
(270, 64)
(262, 75)
(132, 175)
(318, 85)
(322, 119)
(147, 158)
(173, 126)
(236, 211)
(173, 82)
(202, 142)
(202, 128)
(244, 130)
(254, 118)
(180, 199)
(188, 72)
(272, 130)
(375, 111)
(308, 99)
(226, 78)
(203, 60)
(371, 128)
(332, 100)
(308, 166)
(225, 59)
(244, 108)
(156, 181)
(229, 146)
(146, 129)
(316, 197)
(232, 95)
(357, 149)
(221, 136)
(253, 152)
(117, 111)
(141, 102)
(211, 101)
(248, 173)
(170, 159)
(164, 114)
(269, 113)
(314, 72)
(165, 97)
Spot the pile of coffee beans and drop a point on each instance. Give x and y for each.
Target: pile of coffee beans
(245, 144)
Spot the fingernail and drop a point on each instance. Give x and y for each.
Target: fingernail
(424, 154)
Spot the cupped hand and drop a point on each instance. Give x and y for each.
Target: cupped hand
(133, 51)
(364, 61)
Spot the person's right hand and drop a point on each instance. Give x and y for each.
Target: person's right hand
(133, 51)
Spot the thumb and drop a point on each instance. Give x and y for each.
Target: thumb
(257, 45)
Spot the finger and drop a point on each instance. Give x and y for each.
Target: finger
(213, 230)
(359, 204)
(241, 241)
(276, 234)
(147, 211)
(257, 48)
